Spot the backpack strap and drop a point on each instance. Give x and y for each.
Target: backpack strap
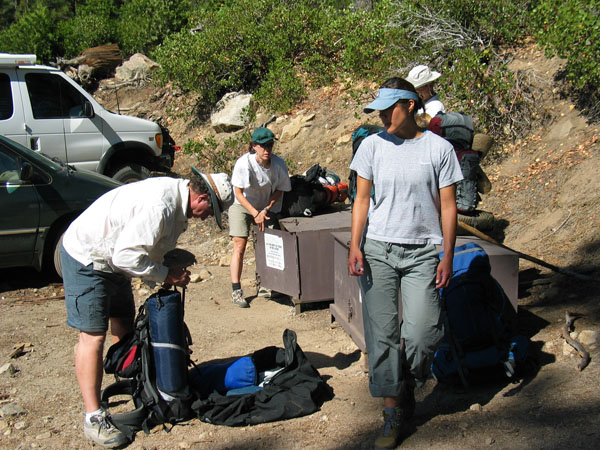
(128, 422)
(454, 347)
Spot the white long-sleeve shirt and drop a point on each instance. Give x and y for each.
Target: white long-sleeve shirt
(129, 229)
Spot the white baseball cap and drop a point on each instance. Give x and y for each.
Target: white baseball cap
(221, 192)
(422, 75)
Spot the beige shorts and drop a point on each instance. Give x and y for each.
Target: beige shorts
(241, 221)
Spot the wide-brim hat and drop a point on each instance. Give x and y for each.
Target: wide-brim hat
(422, 75)
(221, 192)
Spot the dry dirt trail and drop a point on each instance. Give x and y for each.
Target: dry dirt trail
(546, 202)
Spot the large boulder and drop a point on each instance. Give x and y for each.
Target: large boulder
(231, 112)
(138, 67)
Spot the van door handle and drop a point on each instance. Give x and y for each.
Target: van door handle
(34, 143)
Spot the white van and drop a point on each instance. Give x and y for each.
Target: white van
(43, 109)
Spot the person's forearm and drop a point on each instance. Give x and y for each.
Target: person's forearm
(360, 209)
(448, 212)
(274, 199)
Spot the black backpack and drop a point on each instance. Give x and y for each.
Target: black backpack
(480, 332)
(358, 136)
(150, 365)
(307, 196)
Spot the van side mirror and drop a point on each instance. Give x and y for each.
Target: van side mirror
(88, 110)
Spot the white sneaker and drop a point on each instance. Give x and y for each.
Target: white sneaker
(103, 433)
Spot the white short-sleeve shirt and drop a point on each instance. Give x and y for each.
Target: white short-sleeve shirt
(258, 182)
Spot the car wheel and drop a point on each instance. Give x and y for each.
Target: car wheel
(56, 255)
(482, 220)
(130, 173)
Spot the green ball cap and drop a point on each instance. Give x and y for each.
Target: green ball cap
(262, 135)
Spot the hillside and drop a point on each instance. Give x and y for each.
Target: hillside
(546, 205)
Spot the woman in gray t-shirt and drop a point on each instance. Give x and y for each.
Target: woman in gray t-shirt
(413, 173)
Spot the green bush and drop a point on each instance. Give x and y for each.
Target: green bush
(34, 32)
(571, 30)
(93, 24)
(143, 24)
(281, 87)
(215, 157)
(276, 49)
(483, 87)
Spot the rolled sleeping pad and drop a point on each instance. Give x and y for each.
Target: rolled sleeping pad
(168, 341)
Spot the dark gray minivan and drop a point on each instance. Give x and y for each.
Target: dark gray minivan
(39, 198)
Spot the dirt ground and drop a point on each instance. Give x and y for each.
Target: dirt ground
(546, 204)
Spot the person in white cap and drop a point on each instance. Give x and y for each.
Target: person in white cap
(413, 173)
(259, 180)
(423, 79)
(125, 234)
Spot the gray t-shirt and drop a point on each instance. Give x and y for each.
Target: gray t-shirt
(407, 175)
(259, 183)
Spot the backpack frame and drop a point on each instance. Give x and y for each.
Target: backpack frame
(132, 361)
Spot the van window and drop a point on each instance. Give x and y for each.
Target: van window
(52, 97)
(6, 103)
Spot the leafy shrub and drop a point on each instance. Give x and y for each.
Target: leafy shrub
(273, 48)
(571, 29)
(483, 87)
(143, 24)
(34, 32)
(93, 24)
(217, 157)
(281, 88)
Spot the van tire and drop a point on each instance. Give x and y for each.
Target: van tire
(129, 173)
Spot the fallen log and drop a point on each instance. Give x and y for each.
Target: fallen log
(566, 333)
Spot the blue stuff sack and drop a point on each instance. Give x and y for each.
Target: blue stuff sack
(222, 378)
(168, 341)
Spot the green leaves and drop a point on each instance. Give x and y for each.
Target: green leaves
(275, 49)
(571, 30)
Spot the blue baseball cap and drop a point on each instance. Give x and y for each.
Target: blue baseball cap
(386, 97)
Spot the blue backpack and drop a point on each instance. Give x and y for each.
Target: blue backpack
(480, 332)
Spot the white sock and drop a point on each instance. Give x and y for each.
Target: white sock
(88, 416)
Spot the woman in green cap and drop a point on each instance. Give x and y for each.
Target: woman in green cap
(259, 180)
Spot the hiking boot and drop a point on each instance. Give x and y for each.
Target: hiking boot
(103, 433)
(238, 298)
(392, 421)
